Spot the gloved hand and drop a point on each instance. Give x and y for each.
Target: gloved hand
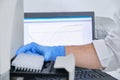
(49, 52)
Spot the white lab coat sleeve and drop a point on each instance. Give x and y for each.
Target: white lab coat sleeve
(107, 54)
(108, 50)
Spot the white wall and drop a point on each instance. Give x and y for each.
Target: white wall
(101, 7)
(11, 33)
(116, 4)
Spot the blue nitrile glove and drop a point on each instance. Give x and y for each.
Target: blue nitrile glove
(49, 52)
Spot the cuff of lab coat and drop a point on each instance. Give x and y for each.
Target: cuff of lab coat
(102, 51)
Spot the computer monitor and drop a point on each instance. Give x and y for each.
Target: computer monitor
(59, 28)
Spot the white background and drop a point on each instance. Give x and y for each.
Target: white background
(101, 7)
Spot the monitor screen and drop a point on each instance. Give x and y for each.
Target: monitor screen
(59, 28)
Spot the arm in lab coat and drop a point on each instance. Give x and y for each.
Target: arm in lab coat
(101, 53)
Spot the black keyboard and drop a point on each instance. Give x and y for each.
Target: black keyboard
(49, 73)
(91, 74)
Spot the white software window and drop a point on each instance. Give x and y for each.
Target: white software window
(58, 31)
